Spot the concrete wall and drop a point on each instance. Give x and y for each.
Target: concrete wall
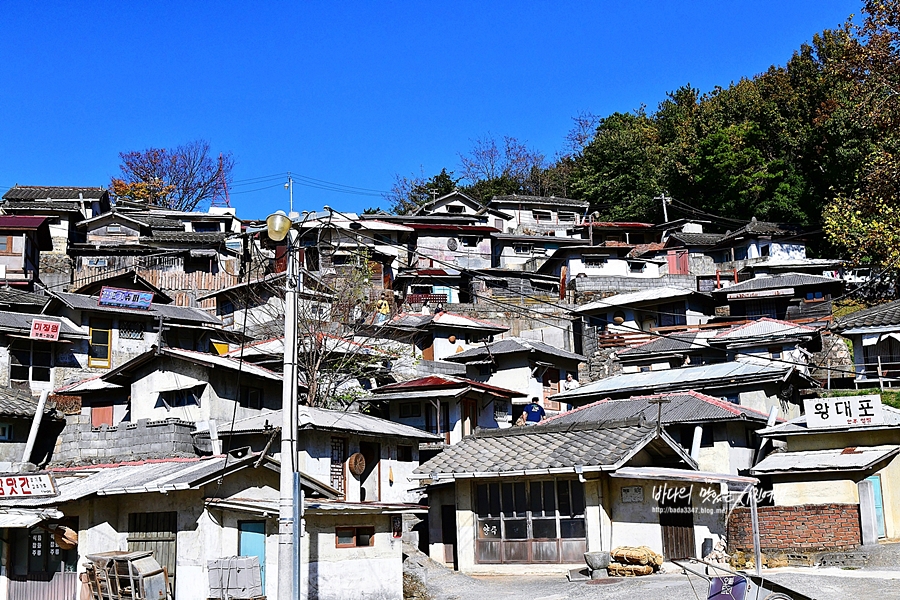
(370, 573)
(435, 247)
(620, 285)
(806, 527)
(79, 442)
(613, 267)
(315, 461)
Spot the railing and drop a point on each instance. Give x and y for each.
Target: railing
(431, 298)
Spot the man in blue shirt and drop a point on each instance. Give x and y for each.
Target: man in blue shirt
(534, 412)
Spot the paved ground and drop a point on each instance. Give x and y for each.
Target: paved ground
(821, 584)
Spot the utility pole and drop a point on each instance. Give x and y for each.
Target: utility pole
(659, 401)
(290, 186)
(665, 200)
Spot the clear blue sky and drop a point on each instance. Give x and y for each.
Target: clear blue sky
(350, 92)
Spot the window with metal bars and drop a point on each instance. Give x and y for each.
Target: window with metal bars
(338, 457)
(131, 330)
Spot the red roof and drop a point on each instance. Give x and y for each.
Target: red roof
(20, 222)
(437, 381)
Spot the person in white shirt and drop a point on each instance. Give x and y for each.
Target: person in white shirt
(571, 383)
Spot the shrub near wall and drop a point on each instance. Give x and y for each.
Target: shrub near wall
(808, 527)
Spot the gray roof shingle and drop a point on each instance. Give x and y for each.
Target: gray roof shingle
(19, 403)
(772, 282)
(310, 417)
(682, 407)
(697, 239)
(678, 342)
(497, 451)
(512, 346)
(193, 237)
(21, 322)
(167, 311)
(53, 205)
(43, 192)
(875, 316)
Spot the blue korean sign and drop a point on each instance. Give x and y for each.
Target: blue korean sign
(121, 298)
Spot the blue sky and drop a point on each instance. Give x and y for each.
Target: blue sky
(353, 93)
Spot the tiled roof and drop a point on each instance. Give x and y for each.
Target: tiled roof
(11, 297)
(498, 451)
(21, 222)
(542, 200)
(697, 239)
(785, 280)
(445, 319)
(512, 346)
(19, 403)
(185, 236)
(445, 381)
(682, 407)
(155, 222)
(875, 316)
(51, 205)
(755, 227)
(676, 342)
(42, 192)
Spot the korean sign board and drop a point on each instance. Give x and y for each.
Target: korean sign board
(121, 298)
(32, 485)
(761, 294)
(44, 330)
(845, 411)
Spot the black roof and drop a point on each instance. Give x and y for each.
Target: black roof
(186, 237)
(678, 342)
(512, 346)
(755, 227)
(51, 205)
(875, 316)
(20, 403)
(784, 280)
(45, 192)
(13, 297)
(697, 239)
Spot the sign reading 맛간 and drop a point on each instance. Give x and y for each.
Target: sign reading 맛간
(32, 485)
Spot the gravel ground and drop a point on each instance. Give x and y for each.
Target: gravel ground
(821, 584)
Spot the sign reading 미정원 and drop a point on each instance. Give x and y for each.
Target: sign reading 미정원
(31, 485)
(844, 411)
(44, 330)
(121, 298)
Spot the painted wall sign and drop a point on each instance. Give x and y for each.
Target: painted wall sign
(633, 494)
(121, 298)
(827, 413)
(33, 485)
(44, 330)
(761, 294)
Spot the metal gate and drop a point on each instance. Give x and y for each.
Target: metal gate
(157, 532)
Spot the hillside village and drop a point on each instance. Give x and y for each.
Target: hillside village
(506, 386)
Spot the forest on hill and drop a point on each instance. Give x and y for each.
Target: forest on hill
(815, 142)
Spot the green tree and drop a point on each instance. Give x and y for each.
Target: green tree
(409, 193)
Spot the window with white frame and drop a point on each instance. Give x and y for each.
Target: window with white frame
(30, 361)
(542, 216)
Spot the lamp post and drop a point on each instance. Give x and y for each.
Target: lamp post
(279, 226)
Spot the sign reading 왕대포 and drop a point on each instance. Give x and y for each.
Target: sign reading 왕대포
(844, 411)
(32, 485)
(44, 330)
(122, 298)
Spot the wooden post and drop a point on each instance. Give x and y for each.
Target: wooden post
(828, 368)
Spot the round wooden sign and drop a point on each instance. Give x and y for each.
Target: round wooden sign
(357, 463)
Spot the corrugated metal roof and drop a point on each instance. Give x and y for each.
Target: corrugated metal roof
(167, 311)
(530, 449)
(42, 192)
(333, 420)
(512, 346)
(666, 474)
(857, 458)
(19, 222)
(21, 323)
(875, 316)
(24, 518)
(161, 475)
(675, 379)
(407, 395)
(445, 319)
(683, 407)
(798, 425)
(764, 327)
(225, 362)
(631, 298)
(782, 280)
(12, 297)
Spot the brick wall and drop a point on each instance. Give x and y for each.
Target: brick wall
(808, 527)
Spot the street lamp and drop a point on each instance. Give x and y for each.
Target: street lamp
(290, 512)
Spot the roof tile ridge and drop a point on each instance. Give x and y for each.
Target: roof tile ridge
(574, 410)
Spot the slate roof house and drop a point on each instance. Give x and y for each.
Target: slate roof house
(64, 208)
(532, 368)
(542, 496)
(719, 435)
(22, 240)
(875, 333)
(440, 335)
(786, 296)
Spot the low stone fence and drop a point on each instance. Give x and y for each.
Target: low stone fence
(81, 443)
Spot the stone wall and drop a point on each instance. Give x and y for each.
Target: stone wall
(588, 289)
(79, 443)
(808, 527)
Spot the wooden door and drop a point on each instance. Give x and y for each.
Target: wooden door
(101, 415)
(469, 414)
(155, 531)
(448, 534)
(677, 526)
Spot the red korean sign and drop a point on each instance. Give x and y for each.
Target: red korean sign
(44, 330)
(37, 485)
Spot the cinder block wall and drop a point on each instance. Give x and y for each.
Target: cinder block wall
(80, 443)
(808, 527)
